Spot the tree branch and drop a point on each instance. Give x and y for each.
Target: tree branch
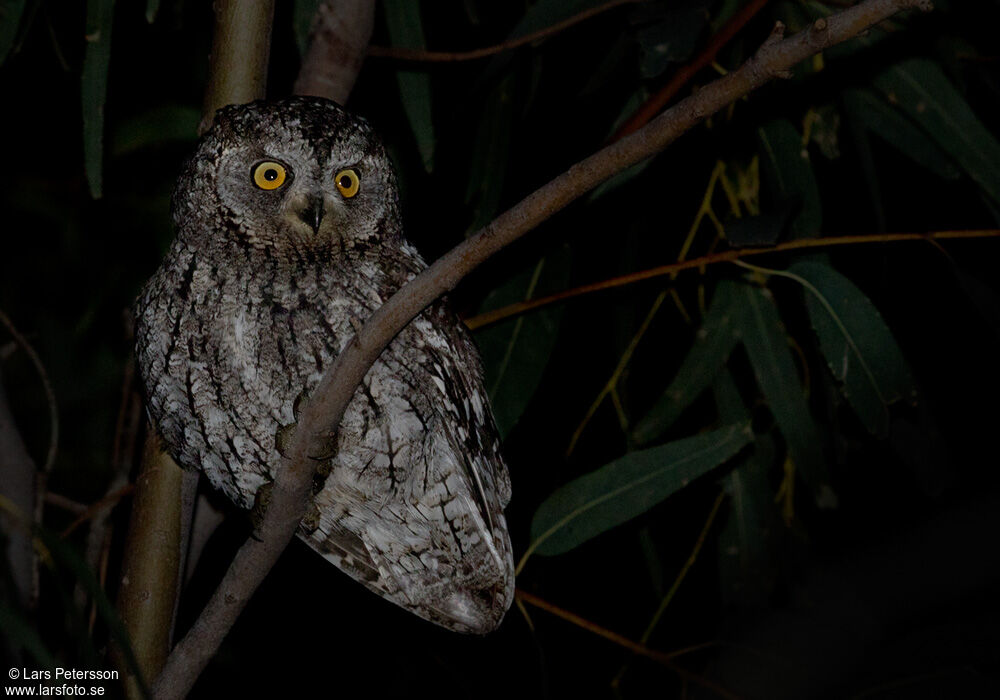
(337, 43)
(488, 318)
(322, 413)
(651, 107)
(21, 479)
(663, 658)
(151, 568)
(241, 47)
(420, 55)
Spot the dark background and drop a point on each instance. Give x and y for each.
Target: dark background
(891, 594)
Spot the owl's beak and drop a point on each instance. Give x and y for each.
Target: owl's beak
(312, 212)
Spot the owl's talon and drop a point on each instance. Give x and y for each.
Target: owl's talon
(297, 404)
(326, 449)
(310, 521)
(322, 472)
(283, 439)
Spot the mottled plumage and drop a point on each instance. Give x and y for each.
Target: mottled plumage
(272, 266)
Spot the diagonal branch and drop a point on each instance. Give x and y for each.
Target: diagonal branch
(322, 413)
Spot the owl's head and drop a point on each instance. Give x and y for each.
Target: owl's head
(299, 176)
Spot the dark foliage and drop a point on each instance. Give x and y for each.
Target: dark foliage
(853, 387)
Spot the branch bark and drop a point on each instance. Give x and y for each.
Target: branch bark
(148, 585)
(159, 522)
(322, 413)
(337, 44)
(241, 48)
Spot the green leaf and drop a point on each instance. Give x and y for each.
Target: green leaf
(545, 13)
(859, 348)
(760, 230)
(10, 21)
(627, 487)
(890, 124)
(152, 8)
(789, 175)
(672, 39)
(743, 550)
(159, 125)
(303, 12)
(516, 352)
(863, 147)
(766, 343)
(20, 633)
(920, 89)
(66, 558)
(713, 343)
(490, 154)
(406, 29)
(94, 87)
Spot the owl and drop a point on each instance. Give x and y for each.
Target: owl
(288, 235)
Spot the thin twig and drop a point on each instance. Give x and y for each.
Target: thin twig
(655, 103)
(692, 558)
(148, 590)
(731, 255)
(660, 657)
(98, 506)
(50, 396)
(421, 55)
(64, 502)
(321, 414)
(38, 478)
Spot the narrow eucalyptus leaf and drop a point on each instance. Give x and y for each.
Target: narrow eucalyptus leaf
(303, 13)
(10, 21)
(94, 87)
(157, 126)
(516, 352)
(921, 90)
(63, 555)
(891, 125)
(744, 543)
(406, 30)
(789, 175)
(627, 487)
(858, 346)
(713, 343)
(21, 633)
(766, 343)
(490, 154)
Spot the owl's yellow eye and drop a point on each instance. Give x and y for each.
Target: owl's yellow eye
(269, 175)
(348, 182)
